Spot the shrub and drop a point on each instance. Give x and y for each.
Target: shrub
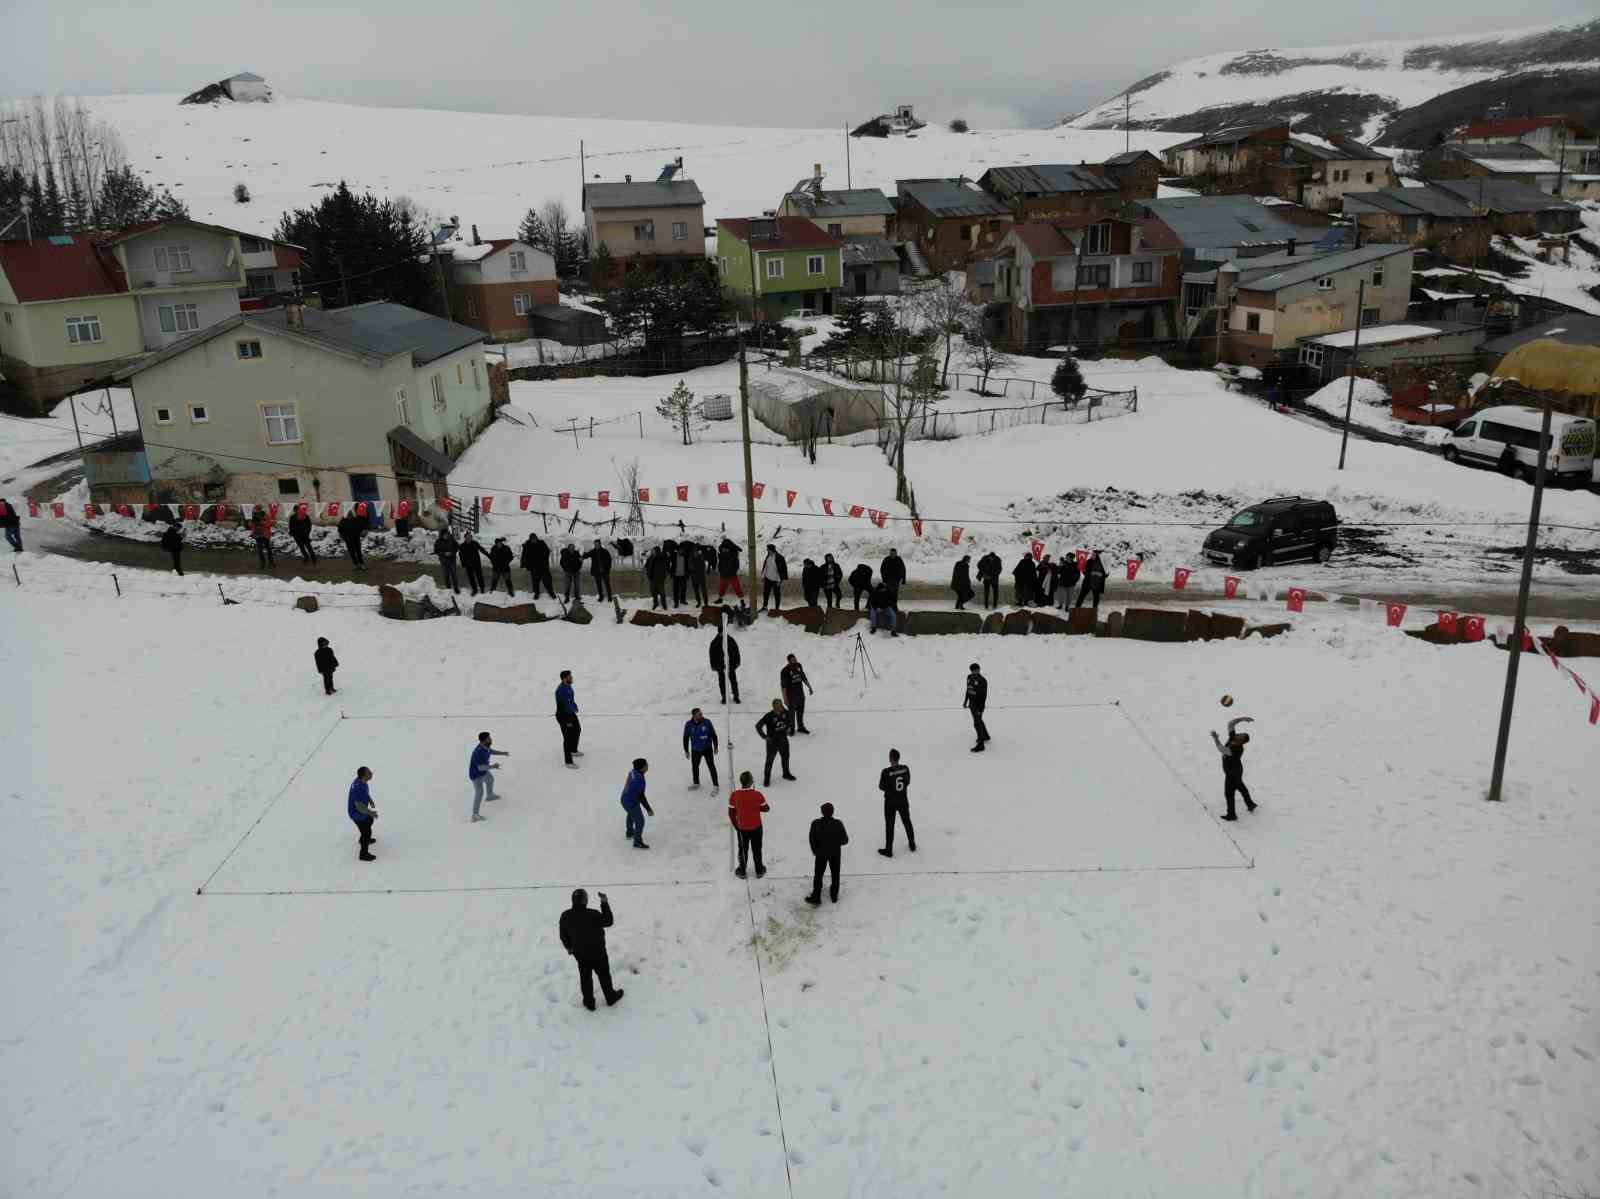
(959, 125)
(241, 193)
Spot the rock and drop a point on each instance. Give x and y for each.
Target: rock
(1046, 622)
(809, 619)
(934, 624)
(1081, 621)
(993, 622)
(308, 603)
(1155, 624)
(390, 602)
(1267, 630)
(841, 620)
(578, 614)
(509, 614)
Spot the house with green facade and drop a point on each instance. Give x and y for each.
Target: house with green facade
(779, 265)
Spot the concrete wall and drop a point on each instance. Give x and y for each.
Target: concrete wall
(492, 307)
(213, 258)
(213, 305)
(613, 227)
(36, 334)
(877, 226)
(1328, 193)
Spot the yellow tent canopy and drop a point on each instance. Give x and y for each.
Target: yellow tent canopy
(1554, 367)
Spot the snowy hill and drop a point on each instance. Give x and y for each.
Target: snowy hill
(1369, 90)
(489, 169)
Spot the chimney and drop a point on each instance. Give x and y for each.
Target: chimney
(1291, 247)
(294, 316)
(627, 178)
(475, 240)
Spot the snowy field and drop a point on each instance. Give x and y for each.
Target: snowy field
(1083, 982)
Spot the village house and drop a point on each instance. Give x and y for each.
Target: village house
(1322, 171)
(1137, 173)
(1048, 191)
(1491, 160)
(1272, 302)
(1085, 278)
(661, 222)
(1457, 217)
(844, 212)
(779, 265)
(1571, 145)
(271, 271)
(1230, 151)
(498, 284)
(1329, 355)
(948, 223)
(370, 402)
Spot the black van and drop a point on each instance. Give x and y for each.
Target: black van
(1275, 530)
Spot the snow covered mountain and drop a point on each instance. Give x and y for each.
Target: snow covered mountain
(1399, 93)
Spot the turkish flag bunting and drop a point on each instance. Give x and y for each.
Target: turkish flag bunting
(1447, 623)
(446, 503)
(333, 508)
(683, 492)
(1180, 578)
(221, 512)
(361, 509)
(856, 510)
(124, 510)
(402, 509)
(1583, 688)
(1474, 628)
(564, 499)
(955, 534)
(1133, 568)
(1036, 548)
(1297, 599)
(377, 508)
(248, 510)
(1527, 642)
(723, 489)
(827, 506)
(1594, 709)
(789, 497)
(1230, 586)
(33, 507)
(89, 511)
(644, 495)
(192, 512)
(486, 503)
(1083, 560)
(302, 510)
(880, 518)
(523, 501)
(761, 490)
(872, 515)
(58, 509)
(603, 498)
(1395, 614)
(272, 511)
(916, 527)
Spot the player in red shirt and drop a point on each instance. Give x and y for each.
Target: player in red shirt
(744, 811)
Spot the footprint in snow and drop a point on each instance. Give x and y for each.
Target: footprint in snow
(1244, 976)
(701, 1016)
(696, 1145)
(1496, 1041)
(1276, 949)
(713, 1176)
(1075, 1144)
(1583, 1053)
(1206, 1043)
(1143, 1001)
(1075, 1102)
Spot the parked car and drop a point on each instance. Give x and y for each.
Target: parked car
(1507, 438)
(1275, 530)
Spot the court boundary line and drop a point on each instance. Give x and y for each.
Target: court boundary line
(679, 712)
(772, 1052)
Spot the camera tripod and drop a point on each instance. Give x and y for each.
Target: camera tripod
(859, 656)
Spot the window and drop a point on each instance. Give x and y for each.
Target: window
(644, 231)
(1470, 429)
(288, 486)
(179, 318)
(1094, 276)
(774, 268)
(163, 416)
(253, 245)
(81, 329)
(519, 260)
(1377, 275)
(814, 264)
(173, 258)
(835, 230)
(461, 376)
(1369, 176)
(260, 283)
(247, 349)
(519, 303)
(199, 414)
(680, 230)
(1325, 283)
(1370, 316)
(1252, 322)
(1143, 272)
(477, 379)
(438, 393)
(283, 424)
(722, 265)
(1097, 239)
(1311, 356)
(401, 408)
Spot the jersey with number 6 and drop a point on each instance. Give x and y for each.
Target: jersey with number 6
(894, 781)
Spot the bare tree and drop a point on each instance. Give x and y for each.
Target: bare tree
(915, 388)
(682, 410)
(944, 305)
(984, 356)
(628, 478)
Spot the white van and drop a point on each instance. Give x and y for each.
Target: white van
(1507, 438)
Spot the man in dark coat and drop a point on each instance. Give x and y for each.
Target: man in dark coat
(1232, 751)
(894, 781)
(811, 582)
(535, 560)
(731, 673)
(352, 528)
(1094, 581)
(583, 935)
(794, 685)
(261, 534)
(172, 542)
(300, 532)
(989, 567)
(472, 562)
(655, 572)
(1024, 579)
(326, 664)
(774, 573)
(571, 567)
(599, 559)
(832, 577)
(774, 728)
(445, 548)
(961, 581)
(694, 564)
(892, 570)
(500, 560)
(728, 570)
(678, 569)
(828, 839)
(880, 609)
(11, 521)
(975, 701)
(1067, 578)
(861, 582)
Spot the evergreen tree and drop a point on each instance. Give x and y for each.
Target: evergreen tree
(602, 270)
(850, 327)
(533, 231)
(681, 410)
(1067, 382)
(361, 248)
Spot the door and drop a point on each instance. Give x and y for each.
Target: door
(861, 283)
(827, 303)
(1289, 539)
(364, 488)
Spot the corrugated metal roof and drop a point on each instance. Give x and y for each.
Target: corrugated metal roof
(950, 198)
(1501, 195)
(1226, 135)
(440, 463)
(1425, 331)
(1044, 179)
(1277, 271)
(1129, 158)
(790, 233)
(1410, 201)
(667, 193)
(1510, 157)
(845, 202)
(1212, 222)
(1573, 329)
(864, 251)
(42, 270)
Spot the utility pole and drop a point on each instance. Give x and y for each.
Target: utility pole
(72, 400)
(444, 288)
(847, 182)
(1127, 122)
(1561, 161)
(749, 479)
(1514, 650)
(1355, 352)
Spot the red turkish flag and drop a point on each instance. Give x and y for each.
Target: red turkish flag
(272, 511)
(1474, 628)
(446, 503)
(192, 512)
(333, 508)
(644, 495)
(1180, 578)
(486, 503)
(955, 534)
(221, 512)
(1583, 688)
(723, 489)
(302, 510)
(124, 510)
(1297, 599)
(1230, 586)
(1395, 614)
(872, 515)
(1527, 642)
(916, 527)
(1594, 709)
(789, 497)
(827, 506)
(564, 499)
(603, 498)
(760, 489)
(1133, 568)
(361, 509)
(89, 511)
(1083, 560)
(523, 501)
(33, 508)
(402, 510)
(880, 518)
(58, 509)
(1036, 548)
(856, 510)
(5, 510)
(683, 492)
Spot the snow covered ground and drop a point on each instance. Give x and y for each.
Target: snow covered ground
(1376, 985)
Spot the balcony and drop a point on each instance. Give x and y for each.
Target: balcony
(149, 279)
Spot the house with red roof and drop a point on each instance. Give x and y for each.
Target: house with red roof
(1085, 278)
(779, 265)
(499, 284)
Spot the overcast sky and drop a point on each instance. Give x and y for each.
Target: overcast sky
(804, 63)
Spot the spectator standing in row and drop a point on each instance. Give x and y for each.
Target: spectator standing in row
(774, 728)
(1047, 583)
(11, 521)
(599, 559)
(811, 583)
(1067, 578)
(961, 581)
(694, 564)
(892, 570)
(567, 720)
(880, 609)
(500, 559)
(861, 582)
(1024, 580)
(745, 806)
(172, 542)
(261, 534)
(726, 672)
(300, 532)
(535, 559)
(793, 683)
(472, 562)
(326, 665)
(445, 549)
(635, 804)
(362, 812)
(894, 781)
(678, 563)
(352, 528)
(832, 577)
(700, 745)
(571, 569)
(989, 567)
(774, 573)
(975, 701)
(583, 935)
(728, 570)
(828, 839)
(655, 573)
(1094, 581)
(478, 768)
